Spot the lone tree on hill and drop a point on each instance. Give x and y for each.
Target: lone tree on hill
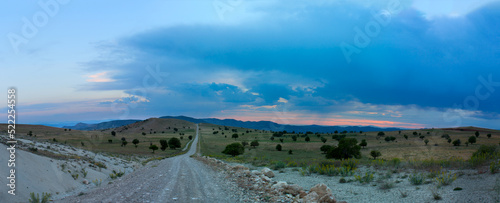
(472, 139)
(363, 143)
(278, 147)
(254, 143)
(234, 149)
(174, 143)
(164, 145)
(153, 147)
(347, 148)
(135, 142)
(375, 154)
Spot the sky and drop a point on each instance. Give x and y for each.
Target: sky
(387, 63)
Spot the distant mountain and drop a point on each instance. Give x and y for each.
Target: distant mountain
(101, 126)
(272, 126)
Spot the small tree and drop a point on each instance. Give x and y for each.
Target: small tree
(422, 137)
(153, 147)
(363, 143)
(393, 138)
(467, 143)
(347, 148)
(449, 140)
(281, 140)
(113, 133)
(254, 143)
(426, 141)
(135, 142)
(272, 138)
(456, 142)
(174, 143)
(308, 139)
(488, 135)
(124, 143)
(405, 136)
(143, 133)
(110, 141)
(415, 133)
(235, 135)
(325, 148)
(381, 134)
(472, 140)
(294, 138)
(234, 149)
(278, 147)
(323, 139)
(375, 154)
(477, 133)
(164, 145)
(290, 152)
(387, 139)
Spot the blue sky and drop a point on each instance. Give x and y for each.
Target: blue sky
(398, 63)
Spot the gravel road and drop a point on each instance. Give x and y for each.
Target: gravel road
(179, 178)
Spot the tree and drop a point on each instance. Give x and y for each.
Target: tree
(477, 133)
(393, 138)
(190, 137)
(124, 143)
(323, 139)
(235, 135)
(110, 141)
(467, 143)
(325, 148)
(308, 139)
(449, 140)
(153, 147)
(363, 143)
(336, 132)
(472, 139)
(415, 133)
(135, 142)
(387, 139)
(400, 132)
(456, 142)
(123, 139)
(381, 134)
(143, 133)
(294, 138)
(164, 145)
(244, 143)
(405, 136)
(174, 143)
(113, 133)
(290, 152)
(488, 135)
(375, 154)
(234, 149)
(281, 140)
(347, 148)
(272, 138)
(278, 147)
(254, 143)
(426, 141)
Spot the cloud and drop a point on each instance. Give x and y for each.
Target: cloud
(100, 77)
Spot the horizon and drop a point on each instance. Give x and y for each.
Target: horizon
(392, 63)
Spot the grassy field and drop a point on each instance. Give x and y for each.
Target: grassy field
(305, 153)
(98, 141)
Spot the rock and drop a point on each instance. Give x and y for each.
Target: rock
(239, 168)
(279, 185)
(265, 178)
(321, 189)
(328, 198)
(267, 172)
(311, 197)
(86, 182)
(302, 194)
(256, 172)
(292, 189)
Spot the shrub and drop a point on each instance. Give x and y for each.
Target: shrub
(472, 139)
(190, 137)
(367, 178)
(254, 143)
(380, 134)
(292, 164)
(347, 148)
(174, 143)
(387, 139)
(294, 138)
(477, 133)
(386, 185)
(494, 166)
(445, 178)
(279, 165)
(36, 199)
(235, 135)
(308, 139)
(456, 142)
(290, 152)
(436, 195)
(342, 180)
(84, 172)
(323, 139)
(426, 141)
(488, 135)
(153, 147)
(164, 145)
(244, 143)
(405, 136)
(417, 179)
(135, 142)
(278, 147)
(75, 176)
(363, 143)
(375, 154)
(234, 149)
(325, 148)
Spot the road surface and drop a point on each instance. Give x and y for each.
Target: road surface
(176, 179)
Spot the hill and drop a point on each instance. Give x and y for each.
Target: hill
(272, 126)
(101, 126)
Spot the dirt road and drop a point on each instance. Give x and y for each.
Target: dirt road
(176, 179)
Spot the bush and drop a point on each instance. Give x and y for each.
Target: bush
(279, 165)
(445, 178)
(417, 179)
(367, 178)
(36, 199)
(254, 143)
(456, 142)
(190, 137)
(153, 147)
(363, 143)
(244, 143)
(135, 142)
(234, 149)
(278, 147)
(375, 154)
(325, 148)
(164, 145)
(174, 143)
(290, 152)
(347, 148)
(294, 138)
(323, 139)
(472, 139)
(308, 139)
